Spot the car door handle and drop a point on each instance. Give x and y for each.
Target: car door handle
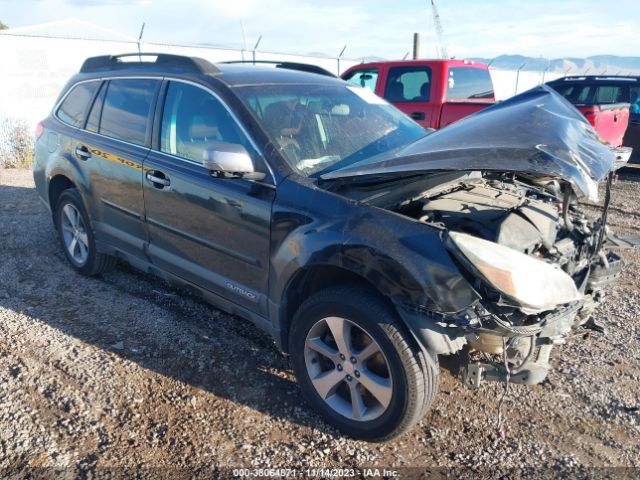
(417, 115)
(158, 181)
(82, 152)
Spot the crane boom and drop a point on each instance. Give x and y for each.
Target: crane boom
(441, 48)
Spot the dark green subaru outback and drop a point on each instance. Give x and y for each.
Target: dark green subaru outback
(366, 246)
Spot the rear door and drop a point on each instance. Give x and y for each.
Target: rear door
(213, 232)
(411, 89)
(112, 147)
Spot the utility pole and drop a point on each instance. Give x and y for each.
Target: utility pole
(416, 46)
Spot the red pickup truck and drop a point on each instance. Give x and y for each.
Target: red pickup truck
(604, 101)
(434, 93)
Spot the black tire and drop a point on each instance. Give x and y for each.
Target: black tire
(96, 263)
(414, 375)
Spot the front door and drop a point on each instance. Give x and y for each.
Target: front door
(213, 232)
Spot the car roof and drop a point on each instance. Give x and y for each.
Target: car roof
(236, 75)
(232, 74)
(611, 79)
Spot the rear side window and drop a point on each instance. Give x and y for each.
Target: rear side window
(126, 109)
(593, 94)
(75, 104)
(192, 119)
(464, 83)
(364, 78)
(408, 84)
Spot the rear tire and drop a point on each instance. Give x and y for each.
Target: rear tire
(76, 236)
(371, 398)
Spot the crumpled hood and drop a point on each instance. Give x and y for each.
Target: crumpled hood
(537, 132)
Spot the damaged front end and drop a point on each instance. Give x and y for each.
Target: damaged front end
(537, 262)
(515, 224)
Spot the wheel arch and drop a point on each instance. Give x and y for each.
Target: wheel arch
(314, 278)
(58, 184)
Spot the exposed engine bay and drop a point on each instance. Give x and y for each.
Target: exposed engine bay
(540, 218)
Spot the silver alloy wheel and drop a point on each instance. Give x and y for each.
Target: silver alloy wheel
(348, 369)
(74, 234)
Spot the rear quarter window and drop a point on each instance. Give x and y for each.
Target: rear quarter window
(466, 83)
(72, 109)
(126, 109)
(593, 94)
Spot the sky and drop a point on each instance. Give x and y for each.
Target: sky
(551, 29)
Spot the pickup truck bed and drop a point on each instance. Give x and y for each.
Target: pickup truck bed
(609, 120)
(605, 102)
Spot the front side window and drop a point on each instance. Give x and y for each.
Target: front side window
(364, 78)
(192, 119)
(408, 84)
(73, 107)
(466, 83)
(127, 108)
(319, 128)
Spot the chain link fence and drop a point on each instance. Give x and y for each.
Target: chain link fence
(34, 69)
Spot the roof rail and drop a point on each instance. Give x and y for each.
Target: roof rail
(599, 77)
(159, 60)
(302, 67)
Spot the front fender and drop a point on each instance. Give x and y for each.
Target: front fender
(403, 259)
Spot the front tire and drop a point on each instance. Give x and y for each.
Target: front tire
(357, 365)
(76, 236)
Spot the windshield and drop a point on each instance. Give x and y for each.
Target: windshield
(320, 128)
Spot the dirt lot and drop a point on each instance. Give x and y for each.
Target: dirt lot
(124, 374)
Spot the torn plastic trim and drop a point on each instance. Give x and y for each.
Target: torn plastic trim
(537, 133)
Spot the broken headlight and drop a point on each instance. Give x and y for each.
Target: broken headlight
(534, 284)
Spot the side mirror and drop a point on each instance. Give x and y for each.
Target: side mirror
(229, 160)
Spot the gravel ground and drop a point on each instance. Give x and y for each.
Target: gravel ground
(127, 375)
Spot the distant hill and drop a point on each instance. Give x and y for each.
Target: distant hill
(595, 65)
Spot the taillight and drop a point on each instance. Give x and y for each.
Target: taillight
(590, 115)
(39, 131)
